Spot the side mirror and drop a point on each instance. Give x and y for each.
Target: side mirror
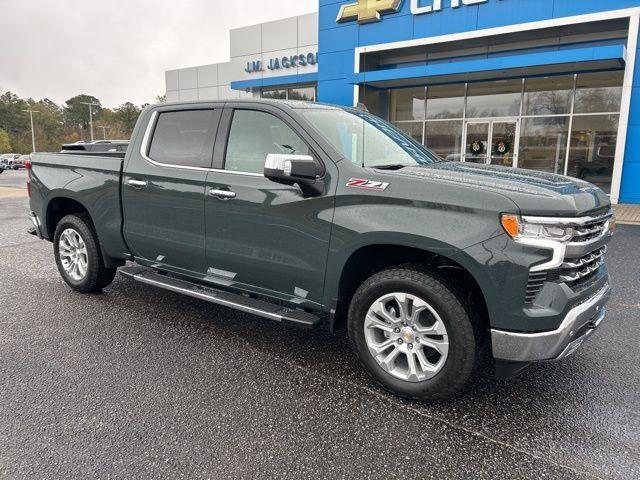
(290, 169)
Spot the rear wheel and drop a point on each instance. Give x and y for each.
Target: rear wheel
(78, 255)
(412, 333)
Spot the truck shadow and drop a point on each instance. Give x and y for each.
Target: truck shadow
(320, 353)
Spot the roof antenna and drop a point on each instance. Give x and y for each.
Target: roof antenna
(364, 98)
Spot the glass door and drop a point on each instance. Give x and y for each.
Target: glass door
(491, 142)
(503, 143)
(477, 142)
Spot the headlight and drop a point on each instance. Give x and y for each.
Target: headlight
(519, 229)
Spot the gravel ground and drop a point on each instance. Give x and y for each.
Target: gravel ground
(139, 382)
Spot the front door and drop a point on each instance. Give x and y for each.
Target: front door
(503, 143)
(477, 142)
(491, 142)
(265, 237)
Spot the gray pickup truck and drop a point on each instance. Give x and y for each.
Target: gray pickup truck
(311, 214)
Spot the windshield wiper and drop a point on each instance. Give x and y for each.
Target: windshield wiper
(396, 166)
(289, 147)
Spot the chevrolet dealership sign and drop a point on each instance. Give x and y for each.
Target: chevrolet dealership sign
(367, 11)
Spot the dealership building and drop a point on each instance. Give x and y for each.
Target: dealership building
(549, 85)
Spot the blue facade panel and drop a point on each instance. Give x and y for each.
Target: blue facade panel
(522, 11)
(275, 81)
(450, 21)
(630, 187)
(501, 63)
(339, 39)
(337, 43)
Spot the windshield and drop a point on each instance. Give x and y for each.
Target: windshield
(368, 140)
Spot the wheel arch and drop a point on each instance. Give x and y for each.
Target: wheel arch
(444, 260)
(62, 205)
(58, 207)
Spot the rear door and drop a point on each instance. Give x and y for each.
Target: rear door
(164, 185)
(262, 236)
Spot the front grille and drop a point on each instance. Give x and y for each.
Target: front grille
(577, 271)
(590, 231)
(590, 234)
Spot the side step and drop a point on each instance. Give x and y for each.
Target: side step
(261, 308)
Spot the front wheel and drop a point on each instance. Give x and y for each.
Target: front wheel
(78, 255)
(412, 334)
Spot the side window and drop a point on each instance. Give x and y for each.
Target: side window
(184, 138)
(253, 136)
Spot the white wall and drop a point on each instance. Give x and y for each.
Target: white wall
(286, 37)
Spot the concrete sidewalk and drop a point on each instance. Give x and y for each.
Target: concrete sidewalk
(628, 214)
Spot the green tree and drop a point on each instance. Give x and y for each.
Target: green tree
(13, 119)
(76, 112)
(49, 129)
(5, 144)
(127, 114)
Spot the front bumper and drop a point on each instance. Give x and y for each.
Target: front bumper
(579, 323)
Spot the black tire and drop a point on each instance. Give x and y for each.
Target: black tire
(463, 343)
(97, 276)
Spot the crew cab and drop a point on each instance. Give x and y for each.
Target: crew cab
(311, 215)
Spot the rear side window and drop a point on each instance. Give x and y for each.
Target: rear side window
(254, 135)
(184, 138)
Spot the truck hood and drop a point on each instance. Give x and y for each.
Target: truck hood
(533, 192)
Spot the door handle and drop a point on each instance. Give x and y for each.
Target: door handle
(137, 183)
(222, 194)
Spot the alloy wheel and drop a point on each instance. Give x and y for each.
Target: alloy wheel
(406, 337)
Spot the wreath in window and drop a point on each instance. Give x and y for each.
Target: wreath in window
(501, 148)
(477, 147)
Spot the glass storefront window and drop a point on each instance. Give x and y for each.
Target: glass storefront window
(295, 93)
(376, 101)
(407, 104)
(275, 94)
(500, 98)
(548, 95)
(304, 93)
(543, 143)
(413, 129)
(536, 116)
(444, 138)
(593, 149)
(599, 92)
(445, 101)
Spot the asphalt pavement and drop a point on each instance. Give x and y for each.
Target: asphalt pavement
(138, 382)
(13, 179)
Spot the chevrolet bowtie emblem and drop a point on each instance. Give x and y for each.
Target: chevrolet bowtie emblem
(366, 11)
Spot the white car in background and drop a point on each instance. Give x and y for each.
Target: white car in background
(8, 160)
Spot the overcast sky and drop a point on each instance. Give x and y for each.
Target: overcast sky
(118, 50)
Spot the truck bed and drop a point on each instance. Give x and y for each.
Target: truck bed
(104, 161)
(92, 181)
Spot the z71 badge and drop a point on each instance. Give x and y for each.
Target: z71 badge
(367, 184)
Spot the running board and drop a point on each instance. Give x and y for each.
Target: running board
(261, 308)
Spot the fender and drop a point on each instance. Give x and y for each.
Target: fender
(338, 259)
(105, 221)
